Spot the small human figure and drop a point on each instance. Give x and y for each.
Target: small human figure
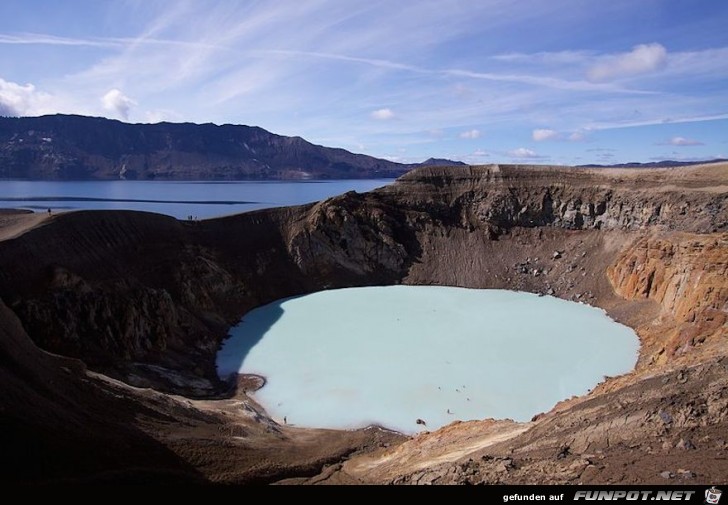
(49, 212)
(285, 420)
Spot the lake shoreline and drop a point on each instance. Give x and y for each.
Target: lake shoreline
(179, 199)
(420, 357)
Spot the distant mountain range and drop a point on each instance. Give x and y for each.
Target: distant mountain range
(69, 147)
(664, 163)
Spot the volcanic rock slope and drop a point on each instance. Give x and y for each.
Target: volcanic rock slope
(138, 304)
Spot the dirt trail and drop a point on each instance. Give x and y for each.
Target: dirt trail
(428, 449)
(14, 224)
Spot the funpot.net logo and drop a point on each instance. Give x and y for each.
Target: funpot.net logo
(615, 495)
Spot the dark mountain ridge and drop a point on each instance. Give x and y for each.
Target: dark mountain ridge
(65, 147)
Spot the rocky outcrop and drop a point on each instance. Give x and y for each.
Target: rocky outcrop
(354, 237)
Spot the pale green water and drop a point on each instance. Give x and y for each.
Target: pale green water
(389, 355)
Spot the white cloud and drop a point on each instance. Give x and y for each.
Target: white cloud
(522, 152)
(470, 134)
(542, 134)
(642, 59)
(22, 100)
(383, 114)
(480, 153)
(115, 101)
(681, 142)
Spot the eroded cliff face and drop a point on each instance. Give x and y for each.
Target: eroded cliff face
(504, 197)
(148, 299)
(686, 275)
(353, 237)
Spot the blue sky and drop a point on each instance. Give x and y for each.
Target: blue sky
(483, 81)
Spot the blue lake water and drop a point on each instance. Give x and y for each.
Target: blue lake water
(178, 199)
(353, 357)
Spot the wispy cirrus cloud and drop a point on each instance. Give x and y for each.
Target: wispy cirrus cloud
(535, 80)
(546, 58)
(53, 40)
(544, 81)
(656, 120)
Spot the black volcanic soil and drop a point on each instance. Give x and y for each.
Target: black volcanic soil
(134, 307)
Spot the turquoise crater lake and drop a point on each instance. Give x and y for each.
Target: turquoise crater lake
(348, 358)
